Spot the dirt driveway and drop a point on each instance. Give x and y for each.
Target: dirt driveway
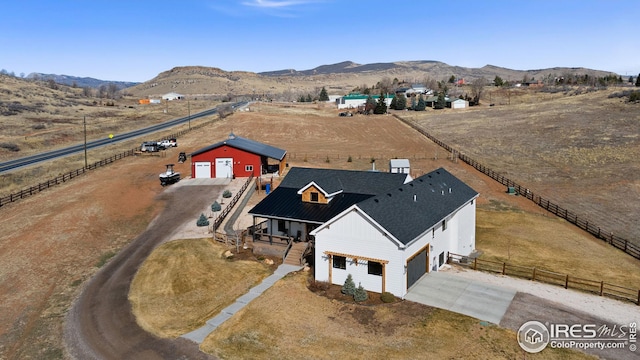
(100, 325)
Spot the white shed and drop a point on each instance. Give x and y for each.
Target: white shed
(459, 104)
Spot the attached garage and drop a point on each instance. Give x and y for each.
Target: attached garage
(417, 266)
(237, 157)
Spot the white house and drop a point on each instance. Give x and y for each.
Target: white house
(399, 166)
(172, 96)
(381, 228)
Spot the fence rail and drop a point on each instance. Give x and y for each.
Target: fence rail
(567, 281)
(32, 190)
(585, 224)
(233, 202)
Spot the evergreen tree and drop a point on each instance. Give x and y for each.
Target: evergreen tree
(497, 81)
(301, 98)
(369, 105)
(309, 99)
(442, 102)
(323, 95)
(360, 294)
(349, 287)
(452, 79)
(202, 221)
(394, 102)
(215, 206)
(381, 106)
(630, 79)
(401, 102)
(638, 80)
(421, 105)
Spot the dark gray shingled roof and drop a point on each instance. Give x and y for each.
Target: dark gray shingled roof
(356, 186)
(246, 145)
(437, 194)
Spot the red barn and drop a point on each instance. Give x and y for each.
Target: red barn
(236, 157)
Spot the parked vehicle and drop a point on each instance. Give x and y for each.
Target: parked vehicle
(169, 176)
(167, 143)
(149, 146)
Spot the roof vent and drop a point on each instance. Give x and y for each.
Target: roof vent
(415, 197)
(376, 200)
(232, 135)
(442, 192)
(449, 190)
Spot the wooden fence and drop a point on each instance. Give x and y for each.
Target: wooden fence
(549, 277)
(32, 190)
(585, 224)
(230, 206)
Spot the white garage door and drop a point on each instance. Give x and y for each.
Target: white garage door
(224, 167)
(459, 105)
(203, 170)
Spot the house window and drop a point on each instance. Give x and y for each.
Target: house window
(444, 225)
(248, 168)
(339, 262)
(282, 227)
(314, 197)
(375, 268)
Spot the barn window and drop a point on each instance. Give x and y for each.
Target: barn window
(314, 197)
(248, 168)
(339, 262)
(375, 268)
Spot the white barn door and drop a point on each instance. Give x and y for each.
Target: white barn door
(203, 170)
(224, 167)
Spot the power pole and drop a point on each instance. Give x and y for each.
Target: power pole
(84, 122)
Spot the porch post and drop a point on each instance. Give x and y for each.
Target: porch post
(330, 267)
(384, 276)
(271, 231)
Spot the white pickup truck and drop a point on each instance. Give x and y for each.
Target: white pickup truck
(167, 143)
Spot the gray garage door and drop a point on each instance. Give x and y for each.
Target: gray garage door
(416, 267)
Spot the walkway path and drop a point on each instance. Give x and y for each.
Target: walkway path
(200, 334)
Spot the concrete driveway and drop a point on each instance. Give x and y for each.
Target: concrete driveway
(454, 293)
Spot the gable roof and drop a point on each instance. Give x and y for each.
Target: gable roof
(351, 186)
(399, 163)
(246, 145)
(409, 210)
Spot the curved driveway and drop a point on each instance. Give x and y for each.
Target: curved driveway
(100, 324)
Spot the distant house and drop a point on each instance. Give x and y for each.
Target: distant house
(353, 101)
(172, 96)
(384, 229)
(237, 157)
(399, 166)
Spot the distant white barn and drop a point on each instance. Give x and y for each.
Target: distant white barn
(172, 96)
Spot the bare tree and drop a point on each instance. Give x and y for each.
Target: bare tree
(87, 91)
(225, 110)
(102, 91)
(112, 89)
(477, 86)
(385, 85)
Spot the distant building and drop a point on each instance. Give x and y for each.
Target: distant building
(353, 101)
(172, 96)
(400, 166)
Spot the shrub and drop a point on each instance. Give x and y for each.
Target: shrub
(202, 221)
(360, 294)
(349, 159)
(349, 287)
(10, 146)
(226, 194)
(387, 297)
(327, 160)
(634, 96)
(215, 206)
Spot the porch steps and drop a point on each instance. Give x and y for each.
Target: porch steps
(293, 257)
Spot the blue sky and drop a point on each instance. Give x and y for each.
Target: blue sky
(134, 40)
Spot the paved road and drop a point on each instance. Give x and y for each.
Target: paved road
(100, 324)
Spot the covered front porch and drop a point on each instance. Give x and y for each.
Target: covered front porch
(286, 238)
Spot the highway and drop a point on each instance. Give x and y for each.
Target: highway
(11, 165)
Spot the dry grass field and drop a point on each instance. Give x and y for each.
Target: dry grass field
(51, 243)
(580, 151)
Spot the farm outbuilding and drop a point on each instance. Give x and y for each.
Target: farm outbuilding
(382, 228)
(172, 96)
(458, 104)
(237, 157)
(353, 101)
